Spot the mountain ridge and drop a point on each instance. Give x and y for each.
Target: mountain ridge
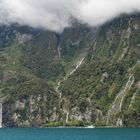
(81, 77)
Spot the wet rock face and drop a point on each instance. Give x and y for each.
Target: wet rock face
(109, 35)
(23, 38)
(105, 76)
(90, 72)
(28, 112)
(20, 105)
(7, 120)
(119, 123)
(76, 114)
(90, 116)
(9, 34)
(54, 117)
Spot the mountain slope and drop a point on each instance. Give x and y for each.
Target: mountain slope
(108, 81)
(83, 76)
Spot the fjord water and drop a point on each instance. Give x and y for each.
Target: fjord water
(69, 134)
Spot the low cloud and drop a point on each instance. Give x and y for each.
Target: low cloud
(55, 15)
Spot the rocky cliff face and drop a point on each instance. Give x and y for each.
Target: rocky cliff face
(107, 82)
(83, 76)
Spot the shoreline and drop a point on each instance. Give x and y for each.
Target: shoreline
(69, 128)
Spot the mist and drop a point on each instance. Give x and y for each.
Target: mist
(55, 15)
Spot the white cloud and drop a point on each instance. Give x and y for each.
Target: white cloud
(56, 14)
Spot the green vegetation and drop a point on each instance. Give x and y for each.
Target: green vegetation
(30, 72)
(72, 123)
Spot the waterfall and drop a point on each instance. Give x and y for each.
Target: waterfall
(77, 66)
(132, 100)
(119, 123)
(134, 96)
(59, 53)
(79, 63)
(57, 89)
(0, 115)
(127, 87)
(67, 117)
(99, 114)
(118, 102)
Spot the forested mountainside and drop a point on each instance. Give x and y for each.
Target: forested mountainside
(81, 77)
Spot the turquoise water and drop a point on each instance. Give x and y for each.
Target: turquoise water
(69, 134)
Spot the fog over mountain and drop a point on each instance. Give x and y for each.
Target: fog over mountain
(55, 15)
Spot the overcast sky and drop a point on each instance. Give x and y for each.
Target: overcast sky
(55, 15)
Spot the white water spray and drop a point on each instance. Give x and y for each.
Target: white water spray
(0, 115)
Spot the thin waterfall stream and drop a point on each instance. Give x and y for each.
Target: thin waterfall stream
(79, 63)
(0, 115)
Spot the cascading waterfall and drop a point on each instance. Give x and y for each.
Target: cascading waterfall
(117, 104)
(127, 87)
(59, 53)
(132, 100)
(57, 89)
(99, 113)
(134, 96)
(65, 78)
(67, 117)
(77, 66)
(119, 122)
(0, 115)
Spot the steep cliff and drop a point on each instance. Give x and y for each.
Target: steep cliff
(83, 76)
(106, 86)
